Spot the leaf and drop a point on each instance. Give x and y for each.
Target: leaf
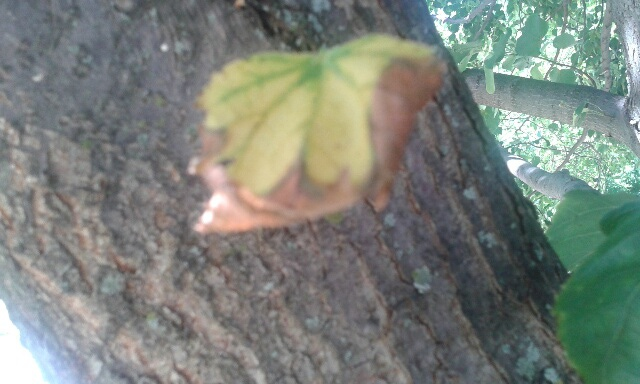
(522, 63)
(575, 233)
(491, 61)
(566, 76)
(598, 309)
(489, 80)
(628, 212)
(498, 50)
(580, 113)
(459, 51)
(291, 137)
(535, 160)
(534, 30)
(536, 74)
(564, 40)
(575, 58)
(508, 62)
(492, 120)
(464, 63)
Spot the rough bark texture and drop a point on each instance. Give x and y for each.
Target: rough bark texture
(108, 283)
(555, 101)
(626, 14)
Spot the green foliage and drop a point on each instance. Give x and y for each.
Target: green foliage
(498, 50)
(565, 76)
(540, 40)
(575, 233)
(596, 236)
(534, 31)
(579, 114)
(492, 119)
(598, 310)
(496, 56)
(489, 80)
(564, 40)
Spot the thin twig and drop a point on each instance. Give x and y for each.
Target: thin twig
(573, 149)
(486, 21)
(581, 72)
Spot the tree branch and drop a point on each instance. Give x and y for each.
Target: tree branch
(580, 71)
(555, 101)
(554, 185)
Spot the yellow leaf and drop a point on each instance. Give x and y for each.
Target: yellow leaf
(294, 135)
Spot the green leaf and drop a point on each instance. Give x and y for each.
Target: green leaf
(566, 76)
(498, 50)
(536, 74)
(598, 309)
(464, 63)
(575, 233)
(535, 160)
(459, 51)
(522, 62)
(492, 120)
(575, 58)
(489, 81)
(629, 212)
(580, 113)
(530, 42)
(564, 40)
(508, 62)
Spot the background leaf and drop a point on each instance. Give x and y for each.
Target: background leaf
(564, 40)
(598, 309)
(580, 113)
(498, 50)
(536, 74)
(575, 230)
(566, 76)
(529, 43)
(490, 84)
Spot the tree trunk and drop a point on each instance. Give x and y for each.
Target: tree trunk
(108, 283)
(607, 113)
(626, 14)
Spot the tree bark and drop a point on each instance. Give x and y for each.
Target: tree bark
(626, 14)
(552, 184)
(108, 283)
(554, 101)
